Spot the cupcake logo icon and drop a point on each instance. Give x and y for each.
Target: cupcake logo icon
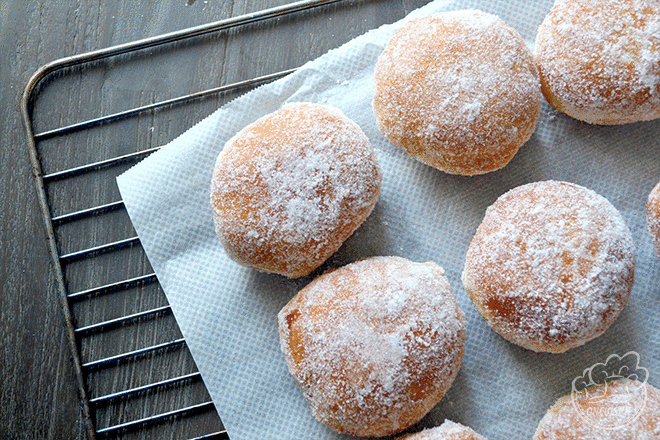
(612, 394)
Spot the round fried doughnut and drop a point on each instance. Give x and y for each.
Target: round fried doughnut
(374, 345)
(290, 188)
(458, 91)
(599, 60)
(551, 266)
(447, 431)
(653, 216)
(619, 410)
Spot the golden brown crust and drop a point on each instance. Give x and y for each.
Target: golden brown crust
(551, 266)
(653, 216)
(611, 416)
(458, 91)
(290, 188)
(599, 60)
(374, 345)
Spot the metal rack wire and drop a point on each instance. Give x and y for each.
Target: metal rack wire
(84, 368)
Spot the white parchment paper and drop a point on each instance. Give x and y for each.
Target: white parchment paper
(227, 313)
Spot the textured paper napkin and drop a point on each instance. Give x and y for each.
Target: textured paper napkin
(227, 313)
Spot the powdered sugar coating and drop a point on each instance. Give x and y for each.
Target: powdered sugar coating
(599, 60)
(566, 421)
(447, 431)
(374, 345)
(290, 188)
(551, 266)
(653, 216)
(458, 91)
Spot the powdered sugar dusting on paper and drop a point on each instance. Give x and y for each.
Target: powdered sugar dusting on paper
(361, 339)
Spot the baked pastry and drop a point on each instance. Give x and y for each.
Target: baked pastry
(458, 91)
(551, 266)
(653, 216)
(290, 188)
(447, 431)
(599, 60)
(374, 345)
(622, 409)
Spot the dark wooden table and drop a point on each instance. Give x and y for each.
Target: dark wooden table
(38, 393)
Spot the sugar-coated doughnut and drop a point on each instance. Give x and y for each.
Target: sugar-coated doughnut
(290, 188)
(458, 91)
(618, 410)
(653, 216)
(447, 431)
(374, 345)
(551, 266)
(599, 60)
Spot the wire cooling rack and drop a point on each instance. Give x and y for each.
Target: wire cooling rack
(109, 406)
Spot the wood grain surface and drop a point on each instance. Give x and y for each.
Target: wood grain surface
(38, 392)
